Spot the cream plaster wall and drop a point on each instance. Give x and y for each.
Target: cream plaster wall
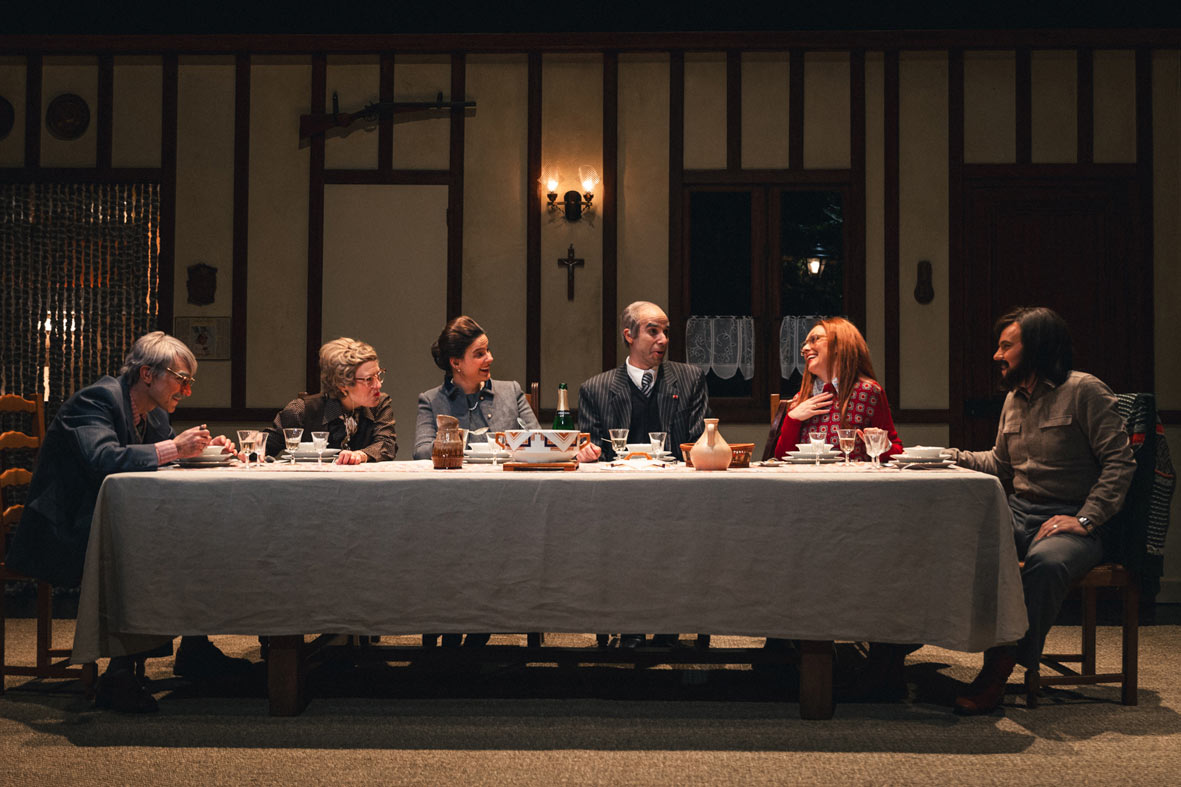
(923, 228)
(356, 81)
(1054, 88)
(385, 283)
(495, 192)
(643, 183)
(205, 200)
(765, 77)
(424, 142)
(278, 233)
(12, 86)
(137, 106)
(78, 75)
(571, 135)
(826, 110)
(705, 111)
(1115, 106)
(990, 109)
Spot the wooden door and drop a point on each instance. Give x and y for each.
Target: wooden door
(1072, 244)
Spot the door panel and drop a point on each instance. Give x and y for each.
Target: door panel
(1071, 245)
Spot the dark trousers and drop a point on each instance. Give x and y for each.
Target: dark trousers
(1052, 565)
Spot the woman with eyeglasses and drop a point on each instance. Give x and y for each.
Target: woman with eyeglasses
(468, 391)
(350, 407)
(838, 390)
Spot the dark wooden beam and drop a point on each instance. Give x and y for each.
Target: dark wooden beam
(1024, 110)
(315, 295)
(1086, 106)
(105, 120)
(533, 224)
(394, 177)
(855, 294)
(241, 225)
(795, 110)
(1145, 229)
(734, 110)
(678, 280)
(455, 191)
(385, 124)
(609, 207)
(80, 175)
(33, 77)
(957, 298)
(890, 206)
(168, 128)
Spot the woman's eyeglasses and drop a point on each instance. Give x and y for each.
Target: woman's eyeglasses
(378, 378)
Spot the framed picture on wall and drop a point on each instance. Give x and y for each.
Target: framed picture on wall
(207, 337)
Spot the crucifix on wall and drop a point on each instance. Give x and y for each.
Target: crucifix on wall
(571, 262)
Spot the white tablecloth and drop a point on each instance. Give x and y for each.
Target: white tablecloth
(800, 552)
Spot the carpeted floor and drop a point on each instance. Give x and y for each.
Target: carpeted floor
(474, 724)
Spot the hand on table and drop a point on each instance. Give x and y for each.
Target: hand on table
(815, 405)
(191, 442)
(347, 457)
(589, 453)
(1059, 524)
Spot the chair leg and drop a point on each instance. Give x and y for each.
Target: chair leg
(1131, 649)
(44, 627)
(1090, 621)
(1033, 687)
(89, 679)
(3, 629)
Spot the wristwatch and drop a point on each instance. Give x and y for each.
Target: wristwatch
(1087, 524)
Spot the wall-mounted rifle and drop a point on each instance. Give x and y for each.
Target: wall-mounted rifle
(310, 125)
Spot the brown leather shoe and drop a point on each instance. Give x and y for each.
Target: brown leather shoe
(985, 693)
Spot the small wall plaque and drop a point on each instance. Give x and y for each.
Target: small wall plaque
(67, 117)
(207, 337)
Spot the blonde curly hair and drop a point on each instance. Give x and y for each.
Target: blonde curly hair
(339, 360)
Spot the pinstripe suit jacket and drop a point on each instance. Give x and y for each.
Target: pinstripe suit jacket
(604, 402)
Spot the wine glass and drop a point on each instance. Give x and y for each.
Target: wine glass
(817, 439)
(246, 444)
(875, 444)
(260, 447)
(657, 439)
(291, 438)
(319, 443)
(848, 441)
(619, 442)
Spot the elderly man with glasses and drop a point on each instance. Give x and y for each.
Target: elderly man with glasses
(115, 425)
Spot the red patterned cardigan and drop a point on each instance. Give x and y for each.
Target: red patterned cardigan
(867, 407)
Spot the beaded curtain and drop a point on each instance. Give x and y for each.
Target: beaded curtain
(78, 285)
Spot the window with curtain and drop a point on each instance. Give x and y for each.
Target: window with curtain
(79, 273)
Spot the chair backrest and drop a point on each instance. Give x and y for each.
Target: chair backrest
(533, 397)
(778, 413)
(14, 477)
(1136, 535)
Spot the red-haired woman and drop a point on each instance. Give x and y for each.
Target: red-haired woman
(838, 390)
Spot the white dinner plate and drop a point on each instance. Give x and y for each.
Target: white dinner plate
(905, 457)
(486, 459)
(805, 458)
(925, 463)
(201, 461)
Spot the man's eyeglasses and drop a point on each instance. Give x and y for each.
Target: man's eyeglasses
(186, 380)
(378, 378)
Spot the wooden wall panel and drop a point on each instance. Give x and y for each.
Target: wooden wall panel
(705, 111)
(422, 143)
(826, 110)
(764, 110)
(355, 80)
(990, 119)
(77, 75)
(1115, 106)
(1055, 106)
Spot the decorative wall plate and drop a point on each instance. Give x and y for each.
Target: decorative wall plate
(7, 117)
(67, 116)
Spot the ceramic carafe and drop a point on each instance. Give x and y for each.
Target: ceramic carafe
(447, 450)
(711, 451)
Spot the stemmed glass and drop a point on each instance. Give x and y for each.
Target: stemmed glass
(817, 439)
(246, 443)
(319, 443)
(619, 442)
(876, 442)
(848, 441)
(291, 438)
(657, 439)
(260, 447)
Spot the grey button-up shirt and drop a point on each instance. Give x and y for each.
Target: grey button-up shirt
(1062, 444)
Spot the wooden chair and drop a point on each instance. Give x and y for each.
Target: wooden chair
(51, 662)
(534, 399)
(778, 413)
(1125, 540)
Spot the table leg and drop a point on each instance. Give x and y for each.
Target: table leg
(815, 679)
(285, 676)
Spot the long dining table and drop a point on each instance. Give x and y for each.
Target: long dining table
(810, 553)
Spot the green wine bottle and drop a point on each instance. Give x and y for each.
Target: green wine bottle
(562, 417)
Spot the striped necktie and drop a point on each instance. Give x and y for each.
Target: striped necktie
(646, 383)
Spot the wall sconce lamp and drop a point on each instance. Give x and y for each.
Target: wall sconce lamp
(573, 204)
(816, 260)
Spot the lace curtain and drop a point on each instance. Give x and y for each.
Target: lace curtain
(724, 344)
(792, 332)
(79, 271)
